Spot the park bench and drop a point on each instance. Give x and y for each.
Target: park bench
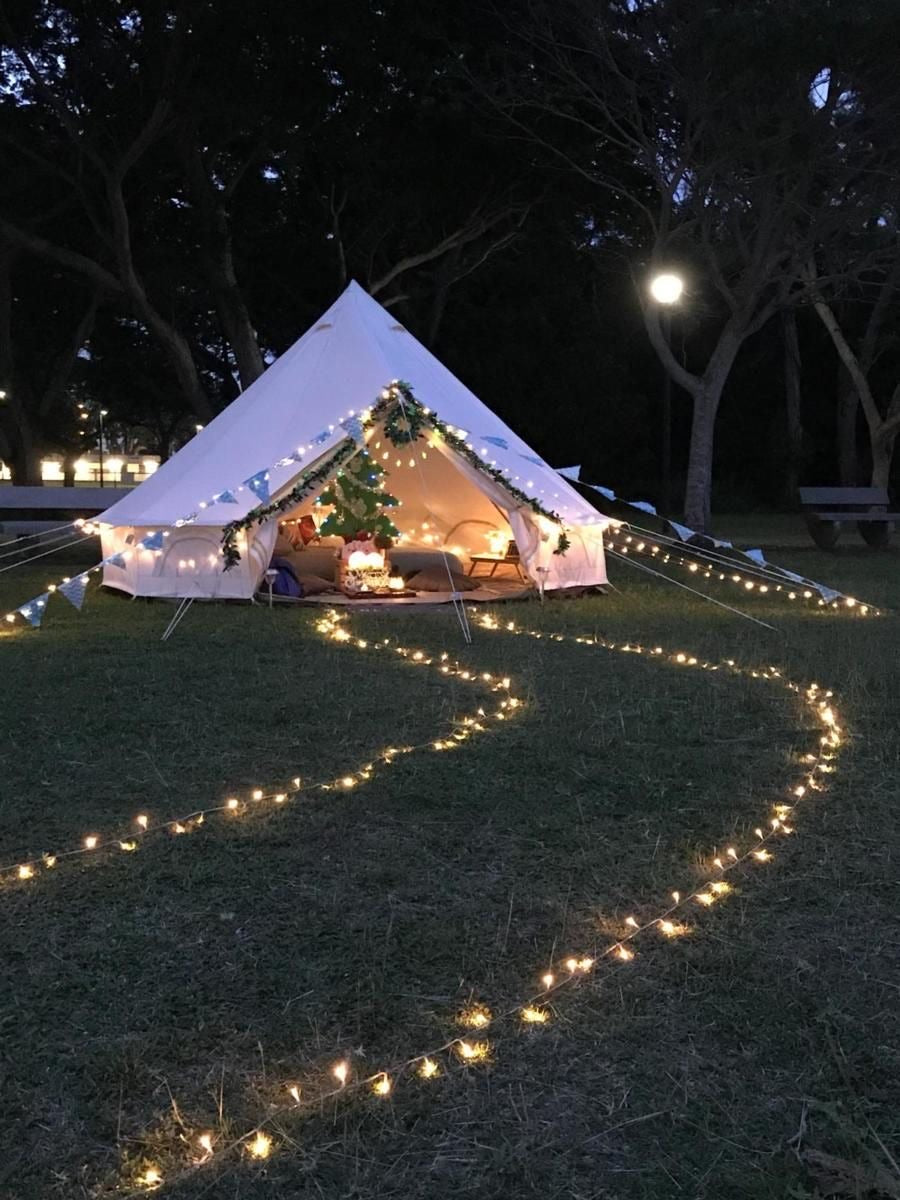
(827, 509)
(26, 511)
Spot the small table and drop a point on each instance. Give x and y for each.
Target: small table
(496, 560)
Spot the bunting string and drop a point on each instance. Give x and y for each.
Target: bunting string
(828, 597)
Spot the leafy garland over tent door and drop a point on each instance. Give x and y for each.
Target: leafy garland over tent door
(405, 421)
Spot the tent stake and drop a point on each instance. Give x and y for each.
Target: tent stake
(180, 613)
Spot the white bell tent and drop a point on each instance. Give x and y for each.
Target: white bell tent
(166, 535)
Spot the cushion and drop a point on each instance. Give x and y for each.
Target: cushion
(420, 559)
(435, 579)
(283, 545)
(312, 585)
(313, 560)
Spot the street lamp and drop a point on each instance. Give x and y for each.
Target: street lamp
(666, 289)
(103, 413)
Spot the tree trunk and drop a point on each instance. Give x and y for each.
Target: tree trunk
(699, 472)
(707, 395)
(239, 331)
(792, 397)
(218, 266)
(179, 353)
(847, 450)
(882, 456)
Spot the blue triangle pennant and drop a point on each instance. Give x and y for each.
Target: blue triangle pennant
(74, 590)
(755, 556)
(644, 506)
(33, 611)
(499, 442)
(354, 426)
(115, 560)
(259, 485)
(684, 532)
(153, 541)
(321, 438)
(225, 497)
(607, 492)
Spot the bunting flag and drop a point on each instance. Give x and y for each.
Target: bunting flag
(569, 472)
(792, 575)
(684, 532)
(532, 458)
(74, 590)
(153, 541)
(354, 426)
(33, 611)
(644, 506)
(259, 485)
(500, 442)
(755, 556)
(608, 493)
(225, 497)
(115, 560)
(828, 594)
(321, 438)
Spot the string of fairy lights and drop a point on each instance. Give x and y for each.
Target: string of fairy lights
(28, 870)
(674, 918)
(750, 577)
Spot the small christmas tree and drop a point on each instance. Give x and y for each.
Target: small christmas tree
(358, 499)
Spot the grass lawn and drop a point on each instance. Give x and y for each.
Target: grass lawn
(149, 997)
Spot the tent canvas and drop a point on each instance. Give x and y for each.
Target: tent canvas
(291, 418)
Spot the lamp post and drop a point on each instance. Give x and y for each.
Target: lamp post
(666, 289)
(102, 415)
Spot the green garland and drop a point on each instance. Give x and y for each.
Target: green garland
(398, 407)
(404, 420)
(307, 482)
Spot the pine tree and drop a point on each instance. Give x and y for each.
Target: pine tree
(358, 498)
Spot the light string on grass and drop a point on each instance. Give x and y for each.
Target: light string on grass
(28, 870)
(674, 919)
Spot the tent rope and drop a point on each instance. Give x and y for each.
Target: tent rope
(24, 562)
(693, 591)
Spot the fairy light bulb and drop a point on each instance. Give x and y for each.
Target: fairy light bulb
(26, 871)
(535, 1016)
(151, 1178)
(382, 1085)
(623, 953)
(257, 793)
(205, 1142)
(340, 1071)
(428, 1069)
(142, 820)
(547, 980)
(231, 804)
(49, 860)
(261, 1145)
(90, 842)
(294, 1092)
(472, 1051)
(631, 923)
(475, 1018)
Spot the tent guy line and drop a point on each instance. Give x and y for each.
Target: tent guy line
(613, 952)
(668, 579)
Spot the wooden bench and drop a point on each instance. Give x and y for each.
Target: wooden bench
(826, 510)
(30, 510)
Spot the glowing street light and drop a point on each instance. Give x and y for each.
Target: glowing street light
(666, 289)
